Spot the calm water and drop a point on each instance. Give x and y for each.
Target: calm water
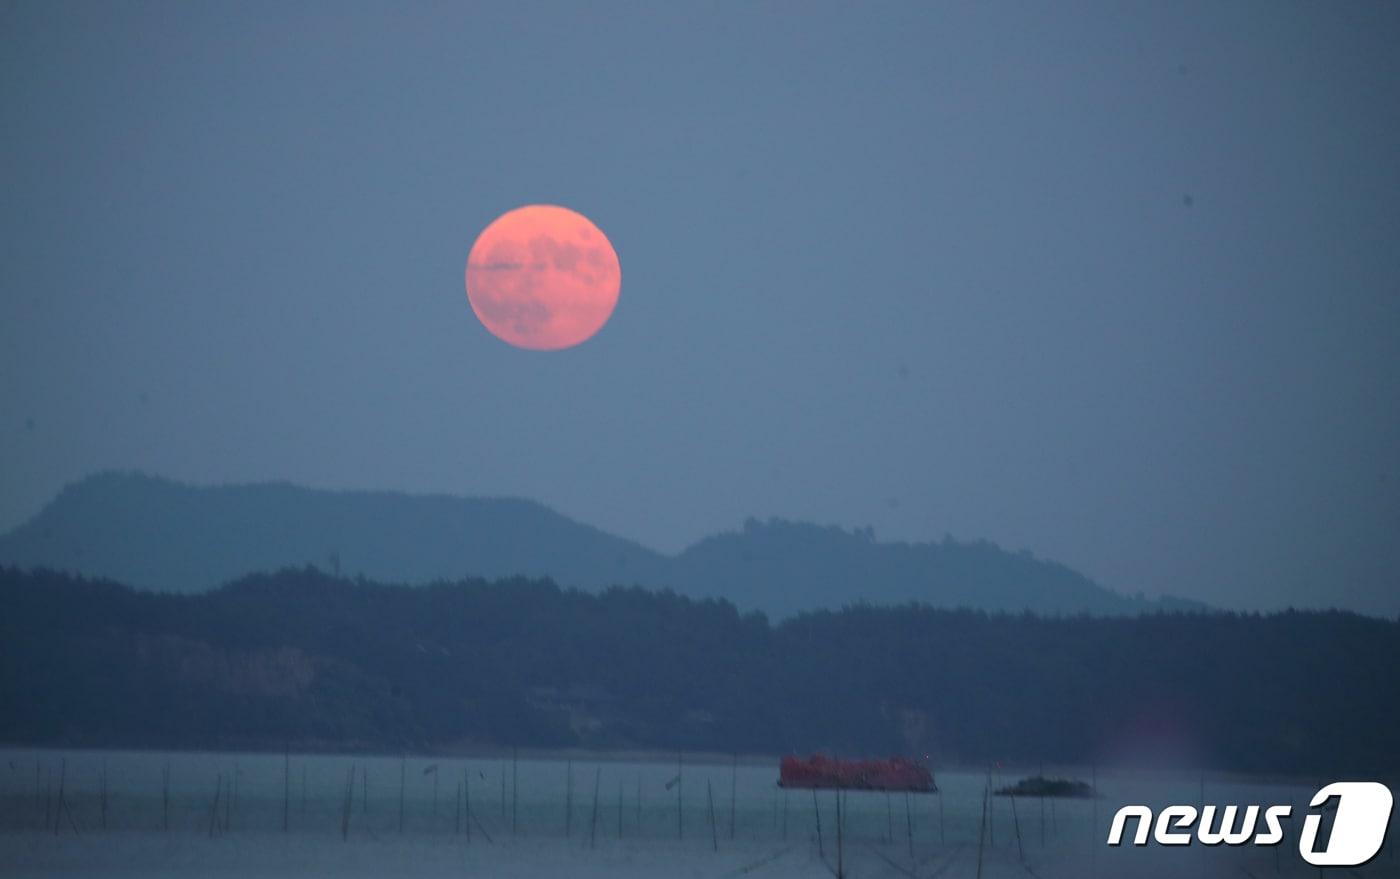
(537, 804)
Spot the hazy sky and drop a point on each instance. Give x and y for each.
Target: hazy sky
(1118, 284)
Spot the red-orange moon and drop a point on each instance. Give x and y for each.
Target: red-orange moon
(543, 277)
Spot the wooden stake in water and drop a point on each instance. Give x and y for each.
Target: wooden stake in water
(889, 818)
(593, 830)
(840, 835)
(991, 812)
(714, 835)
(1016, 821)
(457, 810)
(680, 801)
(982, 831)
(165, 797)
(568, 798)
(104, 795)
(303, 789)
(1042, 806)
(733, 792)
(817, 810)
(62, 779)
(286, 789)
(1094, 828)
(785, 811)
(909, 824)
(214, 808)
(364, 789)
(348, 804)
(619, 807)
(514, 789)
(403, 784)
(467, 799)
(942, 837)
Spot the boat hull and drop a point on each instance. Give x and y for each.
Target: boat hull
(819, 772)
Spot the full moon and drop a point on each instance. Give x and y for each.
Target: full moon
(543, 277)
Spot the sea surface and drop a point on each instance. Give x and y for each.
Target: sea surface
(149, 814)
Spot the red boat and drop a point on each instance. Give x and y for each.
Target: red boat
(820, 771)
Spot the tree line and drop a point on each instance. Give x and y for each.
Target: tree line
(303, 658)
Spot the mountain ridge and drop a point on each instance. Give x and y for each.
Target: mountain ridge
(159, 534)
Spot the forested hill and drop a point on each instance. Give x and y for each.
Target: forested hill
(157, 534)
(305, 659)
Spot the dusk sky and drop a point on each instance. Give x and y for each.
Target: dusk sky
(1117, 284)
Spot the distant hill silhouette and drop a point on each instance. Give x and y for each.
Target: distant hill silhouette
(784, 568)
(163, 535)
